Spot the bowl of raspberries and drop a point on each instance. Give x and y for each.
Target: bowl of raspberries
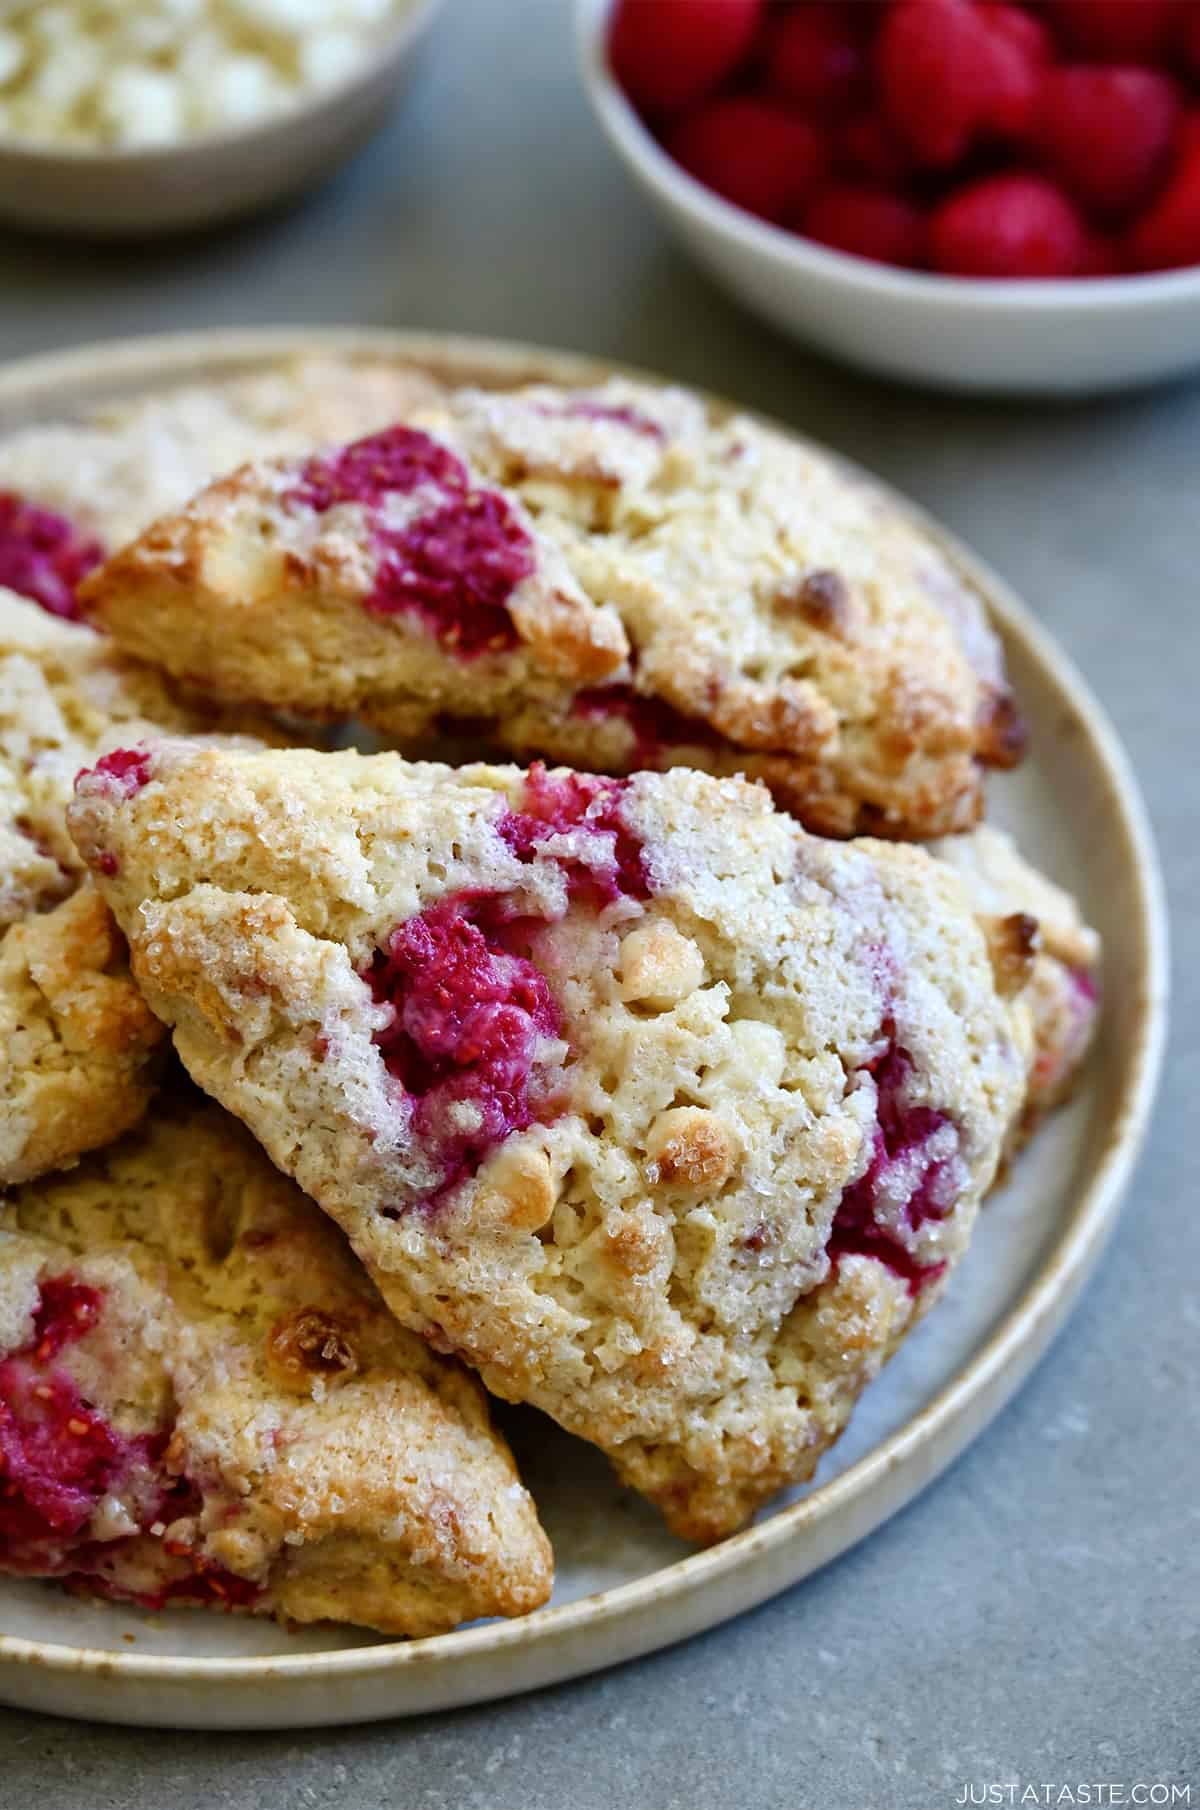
(978, 194)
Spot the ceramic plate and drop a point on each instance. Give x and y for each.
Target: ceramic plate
(625, 1586)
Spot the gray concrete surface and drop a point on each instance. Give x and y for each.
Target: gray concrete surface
(1033, 1618)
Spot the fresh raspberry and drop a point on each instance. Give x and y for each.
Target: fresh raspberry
(1105, 132)
(867, 222)
(1187, 39)
(1101, 257)
(667, 54)
(816, 57)
(1008, 226)
(1168, 234)
(753, 152)
(951, 72)
(1115, 31)
(1029, 49)
(866, 148)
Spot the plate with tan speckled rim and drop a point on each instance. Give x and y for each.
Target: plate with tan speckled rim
(625, 1586)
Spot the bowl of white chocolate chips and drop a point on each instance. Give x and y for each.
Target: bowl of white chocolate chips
(133, 116)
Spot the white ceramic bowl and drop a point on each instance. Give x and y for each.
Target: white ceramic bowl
(215, 176)
(1016, 337)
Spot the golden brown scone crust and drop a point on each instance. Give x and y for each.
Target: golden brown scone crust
(80, 1050)
(308, 1457)
(1061, 986)
(699, 590)
(693, 1248)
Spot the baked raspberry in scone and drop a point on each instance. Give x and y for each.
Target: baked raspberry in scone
(666, 1116)
(79, 1048)
(1061, 991)
(203, 1401)
(70, 489)
(614, 577)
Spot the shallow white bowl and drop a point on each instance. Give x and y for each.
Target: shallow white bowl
(1016, 337)
(215, 176)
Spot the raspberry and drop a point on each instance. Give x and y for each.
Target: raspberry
(667, 54)
(753, 152)
(1187, 40)
(867, 222)
(1105, 132)
(815, 57)
(42, 555)
(454, 565)
(951, 72)
(467, 1024)
(1008, 226)
(916, 1167)
(865, 146)
(1029, 48)
(1168, 233)
(1100, 258)
(1116, 31)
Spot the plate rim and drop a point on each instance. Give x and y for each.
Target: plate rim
(961, 1409)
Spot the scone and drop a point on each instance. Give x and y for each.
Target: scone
(77, 1046)
(666, 1116)
(613, 577)
(70, 489)
(1062, 994)
(203, 1401)
(66, 695)
(80, 1051)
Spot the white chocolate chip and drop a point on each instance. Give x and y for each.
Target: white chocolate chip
(151, 72)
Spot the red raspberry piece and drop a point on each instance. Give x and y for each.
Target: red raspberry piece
(1008, 226)
(865, 146)
(1105, 131)
(951, 72)
(867, 222)
(1116, 31)
(1168, 234)
(753, 152)
(816, 57)
(666, 54)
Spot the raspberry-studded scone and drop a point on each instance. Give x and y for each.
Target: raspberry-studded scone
(614, 577)
(77, 1046)
(1034, 916)
(70, 489)
(204, 1401)
(666, 1116)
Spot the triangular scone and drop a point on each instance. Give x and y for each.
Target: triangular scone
(204, 1401)
(614, 577)
(666, 1116)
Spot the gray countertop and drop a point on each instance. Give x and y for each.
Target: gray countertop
(1033, 1617)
